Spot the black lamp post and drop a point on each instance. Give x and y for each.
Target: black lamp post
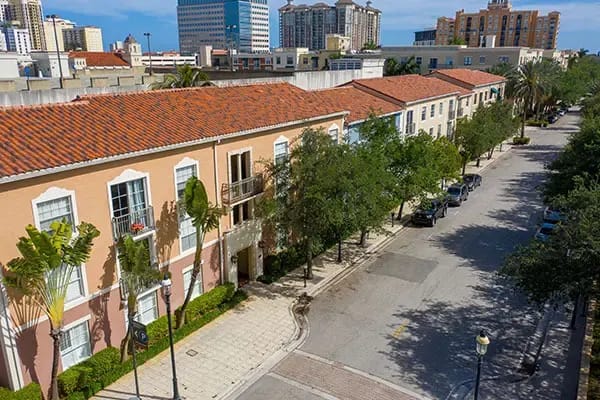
(482, 342)
(166, 286)
(53, 17)
(148, 34)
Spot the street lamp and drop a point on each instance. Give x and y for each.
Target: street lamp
(481, 345)
(166, 286)
(53, 17)
(148, 34)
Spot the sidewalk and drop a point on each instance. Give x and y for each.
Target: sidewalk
(233, 350)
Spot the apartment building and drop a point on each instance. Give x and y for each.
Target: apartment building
(61, 25)
(17, 40)
(29, 15)
(308, 26)
(484, 87)
(429, 103)
(83, 38)
(105, 160)
(501, 26)
(242, 25)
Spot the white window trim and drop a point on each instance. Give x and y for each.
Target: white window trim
(54, 193)
(188, 269)
(332, 128)
(126, 176)
(85, 319)
(185, 162)
(229, 154)
(281, 139)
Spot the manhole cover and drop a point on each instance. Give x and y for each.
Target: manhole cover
(191, 353)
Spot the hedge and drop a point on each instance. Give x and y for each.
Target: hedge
(29, 392)
(538, 123)
(87, 378)
(517, 140)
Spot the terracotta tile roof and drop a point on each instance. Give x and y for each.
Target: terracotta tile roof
(471, 76)
(99, 58)
(359, 103)
(410, 88)
(35, 138)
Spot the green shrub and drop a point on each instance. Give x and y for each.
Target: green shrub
(69, 380)
(90, 375)
(76, 396)
(535, 122)
(209, 301)
(29, 392)
(157, 330)
(517, 140)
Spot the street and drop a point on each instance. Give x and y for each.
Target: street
(405, 321)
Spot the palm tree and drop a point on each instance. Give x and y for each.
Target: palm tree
(392, 67)
(529, 82)
(205, 218)
(186, 76)
(137, 274)
(582, 52)
(43, 273)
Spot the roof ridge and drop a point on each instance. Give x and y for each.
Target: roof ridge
(72, 103)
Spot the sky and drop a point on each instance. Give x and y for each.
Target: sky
(579, 27)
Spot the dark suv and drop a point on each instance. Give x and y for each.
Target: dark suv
(472, 181)
(457, 193)
(429, 211)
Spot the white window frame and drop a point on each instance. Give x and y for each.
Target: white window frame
(441, 108)
(199, 282)
(150, 292)
(251, 173)
(55, 193)
(185, 162)
(334, 129)
(68, 327)
(432, 111)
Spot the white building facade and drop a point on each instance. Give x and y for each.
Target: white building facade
(18, 40)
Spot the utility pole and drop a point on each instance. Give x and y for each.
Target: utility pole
(53, 17)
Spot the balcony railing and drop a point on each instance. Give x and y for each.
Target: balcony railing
(410, 128)
(460, 112)
(232, 193)
(134, 223)
(452, 114)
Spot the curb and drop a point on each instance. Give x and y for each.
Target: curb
(586, 353)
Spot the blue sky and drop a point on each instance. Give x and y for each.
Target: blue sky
(580, 20)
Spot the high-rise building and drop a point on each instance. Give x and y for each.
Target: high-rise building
(308, 26)
(85, 38)
(17, 40)
(7, 11)
(28, 14)
(500, 25)
(425, 37)
(242, 25)
(61, 25)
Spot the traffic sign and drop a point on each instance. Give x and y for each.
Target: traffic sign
(140, 335)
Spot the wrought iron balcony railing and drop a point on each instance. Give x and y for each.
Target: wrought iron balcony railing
(232, 193)
(134, 223)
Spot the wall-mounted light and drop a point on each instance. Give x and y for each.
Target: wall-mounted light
(234, 259)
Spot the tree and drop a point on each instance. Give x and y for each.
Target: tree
(392, 67)
(370, 46)
(137, 274)
(471, 137)
(43, 272)
(205, 218)
(447, 159)
(186, 76)
(457, 41)
(582, 52)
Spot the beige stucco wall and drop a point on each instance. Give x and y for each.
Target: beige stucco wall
(437, 119)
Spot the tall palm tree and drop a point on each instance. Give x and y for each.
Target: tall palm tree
(186, 76)
(137, 274)
(43, 272)
(205, 218)
(393, 67)
(529, 83)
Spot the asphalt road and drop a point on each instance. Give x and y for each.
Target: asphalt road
(410, 315)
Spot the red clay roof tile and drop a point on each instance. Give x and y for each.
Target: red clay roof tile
(47, 136)
(471, 76)
(410, 88)
(99, 58)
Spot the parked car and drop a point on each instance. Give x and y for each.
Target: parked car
(457, 193)
(472, 181)
(545, 231)
(552, 118)
(554, 215)
(562, 112)
(429, 211)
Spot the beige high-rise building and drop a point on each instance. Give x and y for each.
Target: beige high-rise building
(500, 26)
(85, 38)
(29, 15)
(61, 25)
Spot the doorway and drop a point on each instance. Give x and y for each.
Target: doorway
(243, 266)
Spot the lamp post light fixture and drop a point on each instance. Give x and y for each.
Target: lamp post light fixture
(481, 344)
(53, 18)
(148, 34)
(166, 286)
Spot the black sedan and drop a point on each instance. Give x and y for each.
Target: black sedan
(429, 211)
(472, 181)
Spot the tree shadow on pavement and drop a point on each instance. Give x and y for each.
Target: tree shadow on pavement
(436, 351)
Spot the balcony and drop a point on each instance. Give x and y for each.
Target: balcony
(461, 112)
(410, 128)
(451, 114)
(236, 192)
(134, 223)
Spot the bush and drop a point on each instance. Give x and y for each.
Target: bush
(91, 375)
(538, 123)
(157, 330)
(279, 264)
(517, 140)
(208, 301)
(29, 392)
